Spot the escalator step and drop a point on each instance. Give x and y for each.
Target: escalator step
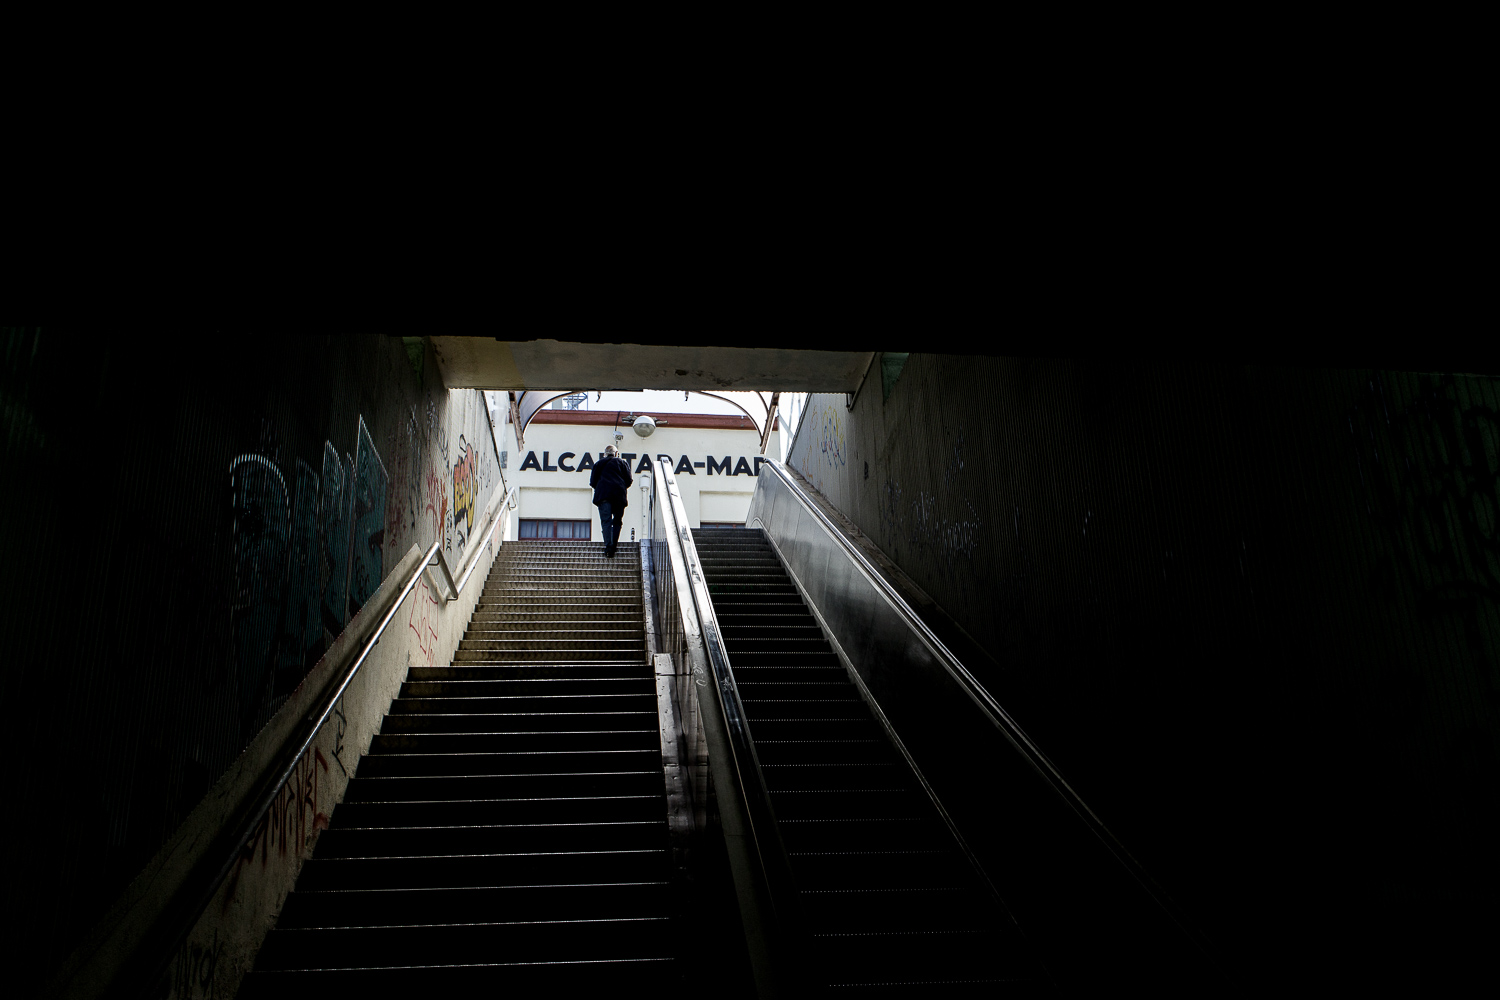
(892, 905)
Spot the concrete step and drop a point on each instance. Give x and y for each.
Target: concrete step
(487, 869)
(562, 784)
(571, 654)
(492, 812)
(530, 686)
(543, 704)
(536, 742)
(459, 721)
(475, 905)
(603, 669)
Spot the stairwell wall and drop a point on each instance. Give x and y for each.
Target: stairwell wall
(1253, 614)
(237, 520)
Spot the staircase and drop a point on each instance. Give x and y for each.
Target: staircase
(508, 826)
(887, 900)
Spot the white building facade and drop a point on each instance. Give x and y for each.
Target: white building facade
(715, 459)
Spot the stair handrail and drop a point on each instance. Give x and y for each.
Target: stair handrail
(507, 504)
(726, 708)
(249, 817)
(313, 721)
(992, 709)
(496, 512)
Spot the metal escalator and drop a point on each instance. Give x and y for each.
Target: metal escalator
(874, 794)
(885, 897)
(508, 826)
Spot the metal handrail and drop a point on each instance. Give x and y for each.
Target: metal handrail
(250, 819)
(471, 560)
(489, 534)
(992, 710)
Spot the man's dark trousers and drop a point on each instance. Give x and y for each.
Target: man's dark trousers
(611, 518)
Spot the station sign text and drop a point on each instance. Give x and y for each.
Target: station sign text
(711, 466)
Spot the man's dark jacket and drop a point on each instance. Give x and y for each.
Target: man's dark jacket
(610, 480)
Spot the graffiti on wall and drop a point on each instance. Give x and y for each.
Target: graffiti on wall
(422, 619)
(465, 491)
(300, 558)
(335, 515)
(924, 524)
(404, 492)
(194, 970)
(260, 526)
(486, 470)
(367, 545)
(831, 436)
(436, 508)
(1427, 451)
(303, 624)
(820, 450)
(290, 821)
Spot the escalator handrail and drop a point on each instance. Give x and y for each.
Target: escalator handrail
(991, 708)
(745, 763)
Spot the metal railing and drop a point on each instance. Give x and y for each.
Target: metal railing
(445, 582)
(706, 693)
(898, 615)
(227, 852)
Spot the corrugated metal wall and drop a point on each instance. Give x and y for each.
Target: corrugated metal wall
(1252, 613)
(185, 535)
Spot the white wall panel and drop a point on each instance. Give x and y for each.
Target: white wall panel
(723, 506)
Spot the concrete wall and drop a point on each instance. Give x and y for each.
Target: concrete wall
(238, 518)
(1253, 614)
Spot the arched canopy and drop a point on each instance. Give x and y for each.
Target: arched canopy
(760, 407)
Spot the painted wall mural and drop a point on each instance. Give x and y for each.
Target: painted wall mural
(821, 450)
(308, 556)
(465, 490)
(299, 565)
(261, 525)
(335, 514)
